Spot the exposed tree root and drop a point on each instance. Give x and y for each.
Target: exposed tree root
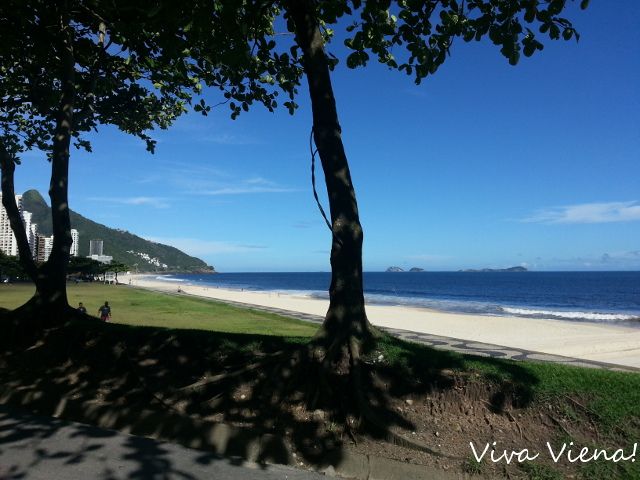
(328, 378)
(513, 419)
(215, 379)
(559, 424)
(168, 404)
(590, 414)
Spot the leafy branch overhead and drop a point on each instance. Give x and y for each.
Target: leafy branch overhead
(138, 65)
(408, 35)
(107, 82)
(427, 29)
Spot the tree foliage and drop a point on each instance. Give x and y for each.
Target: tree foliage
(67, 68)
(84, 266)
(10, 268)
(116, 75)
(414, 37)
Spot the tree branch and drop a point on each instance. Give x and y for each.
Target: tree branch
(7, 168)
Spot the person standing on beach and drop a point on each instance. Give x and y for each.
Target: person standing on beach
(105, 312)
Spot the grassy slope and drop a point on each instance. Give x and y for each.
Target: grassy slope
(612, 398)
(615, 395)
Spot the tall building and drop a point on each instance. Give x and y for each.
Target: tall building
(30, 230)
(33, 245)
(45, 244)
(95, 247)
(8, 243)
(7, 240)
(75, 243)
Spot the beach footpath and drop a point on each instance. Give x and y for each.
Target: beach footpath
(35, 447)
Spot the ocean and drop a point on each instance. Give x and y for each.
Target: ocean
(611, 297)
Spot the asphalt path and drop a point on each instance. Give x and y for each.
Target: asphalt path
(35, 448)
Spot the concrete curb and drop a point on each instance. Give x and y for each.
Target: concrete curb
(366, 467)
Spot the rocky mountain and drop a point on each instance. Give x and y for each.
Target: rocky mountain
(394, 269)
(123, 246)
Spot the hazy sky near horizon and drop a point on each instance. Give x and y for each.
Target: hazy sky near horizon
(483, 165)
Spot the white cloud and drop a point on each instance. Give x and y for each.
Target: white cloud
(427, 257)
(588, 213)
(196, 129)
(197, 247)
(241, 190)
(208, 181)
(608, 260)
(156, 202)
(227, 139)
(245, 186)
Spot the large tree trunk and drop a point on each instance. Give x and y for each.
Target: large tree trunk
(49, 305)
(346, 327)
(52, 283)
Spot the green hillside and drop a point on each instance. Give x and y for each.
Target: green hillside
(117, 243)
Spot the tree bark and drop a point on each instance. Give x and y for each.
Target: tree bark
(7, 168)
(346, 326)
(54, 271)
(49, 306)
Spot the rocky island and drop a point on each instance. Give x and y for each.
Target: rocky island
(510, 269)
(399, 269)
(394, 269)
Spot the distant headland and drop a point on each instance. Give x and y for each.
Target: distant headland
(399, 269)
(510, 269)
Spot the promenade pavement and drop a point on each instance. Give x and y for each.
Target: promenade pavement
(39, 448)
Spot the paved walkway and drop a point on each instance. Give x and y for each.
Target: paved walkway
(452, 344)
(38, 448)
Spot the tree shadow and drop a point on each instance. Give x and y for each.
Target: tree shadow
(49, 446)
(241, 396)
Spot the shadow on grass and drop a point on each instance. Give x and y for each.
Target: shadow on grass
(179, 385)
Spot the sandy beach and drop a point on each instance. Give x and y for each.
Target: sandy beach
(599, 342)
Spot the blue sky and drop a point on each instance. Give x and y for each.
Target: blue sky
(483, 165)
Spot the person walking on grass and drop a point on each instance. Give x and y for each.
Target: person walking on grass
(105, 312)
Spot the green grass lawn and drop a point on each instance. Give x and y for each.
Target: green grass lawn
(137, 307)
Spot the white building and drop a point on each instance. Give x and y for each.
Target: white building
(75, 244)
(95, 247)
(8, 243)
(45, 245)
(101, 258)
(33, 245)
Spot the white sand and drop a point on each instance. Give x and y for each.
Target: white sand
(600, 342)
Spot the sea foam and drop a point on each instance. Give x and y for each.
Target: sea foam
(593, 316)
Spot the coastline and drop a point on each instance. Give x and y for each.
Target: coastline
(598, 342)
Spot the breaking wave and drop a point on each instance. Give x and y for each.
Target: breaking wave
(564, 315)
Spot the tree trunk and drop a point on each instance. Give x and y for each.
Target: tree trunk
(52, 284)
(7, 168)
(49, 305)
(346, 327)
